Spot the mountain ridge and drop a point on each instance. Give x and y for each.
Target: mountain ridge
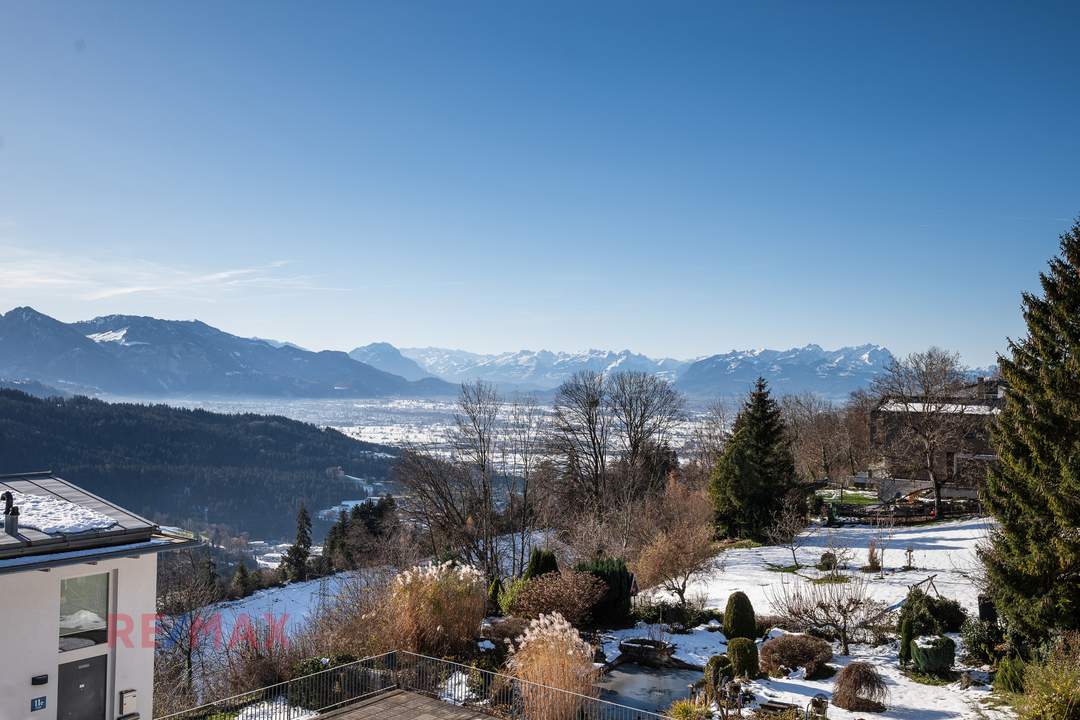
(145, 356)
(809, 368)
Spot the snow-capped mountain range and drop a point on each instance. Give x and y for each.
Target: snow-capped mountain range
(144, 356)
(539, 369)
(832, 373)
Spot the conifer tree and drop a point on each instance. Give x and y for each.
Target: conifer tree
(1033, 561)
(242, 582)
(755, 470)
(294, 566)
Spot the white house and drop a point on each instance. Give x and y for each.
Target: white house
(78, 580)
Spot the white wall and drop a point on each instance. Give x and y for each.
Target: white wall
(29, 636)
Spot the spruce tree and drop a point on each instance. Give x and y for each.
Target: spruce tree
(294, 565)
(756, 469)
(242, 582)
(1033, 562)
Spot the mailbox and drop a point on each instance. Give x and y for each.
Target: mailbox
(128, 702)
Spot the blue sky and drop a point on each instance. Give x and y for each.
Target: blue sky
(675, 178)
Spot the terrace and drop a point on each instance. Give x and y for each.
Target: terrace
(401, 685)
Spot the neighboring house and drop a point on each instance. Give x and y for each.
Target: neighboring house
(78, 585)
(965, 441)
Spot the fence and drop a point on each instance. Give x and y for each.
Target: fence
(491, 693)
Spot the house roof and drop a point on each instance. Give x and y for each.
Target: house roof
(64, 524)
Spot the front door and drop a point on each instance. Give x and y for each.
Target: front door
(81, 689)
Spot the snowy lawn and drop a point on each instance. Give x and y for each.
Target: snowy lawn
(946, 550)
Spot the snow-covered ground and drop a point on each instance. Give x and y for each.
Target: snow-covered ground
(290, 606)
(945, 550)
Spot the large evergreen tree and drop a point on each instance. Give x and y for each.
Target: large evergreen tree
(294, 566)
(1033, 562)
(755, 470)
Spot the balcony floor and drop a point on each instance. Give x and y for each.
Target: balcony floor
(401, 705)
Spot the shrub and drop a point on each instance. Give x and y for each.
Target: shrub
(933, 656)
(739, 619)
(744, 657)
(907, 635)
(782, 655)
(1009, 677)
(571, 594)
(437, 609)
(859, 688)
(541, 562)
(665, 611)
(950, 613)
(613, 609)
(718, 670)
(552, 653)
(495, 589)
(1052, 688)
(827, 562)
(688, 710)
(331, 686)
(932, 615)
(981, 639)
(508, 595)
(873, 558)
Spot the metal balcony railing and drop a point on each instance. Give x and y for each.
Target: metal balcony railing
(491, 693)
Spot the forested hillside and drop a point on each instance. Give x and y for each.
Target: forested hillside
(176, 466)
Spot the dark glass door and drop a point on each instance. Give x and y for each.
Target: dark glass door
(81, 689)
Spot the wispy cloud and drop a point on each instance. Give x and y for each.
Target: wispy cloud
(94, 278)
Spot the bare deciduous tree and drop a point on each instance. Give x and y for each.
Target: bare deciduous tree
(644, 408)
(790, 528)
(842, 609)
(921, 417)
(474, 439)
(526, 429)
(679, 544)
(706, 443)
(580, 437)
(816, 429)
(188, 627)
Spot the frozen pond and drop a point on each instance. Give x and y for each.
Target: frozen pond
(646, 688)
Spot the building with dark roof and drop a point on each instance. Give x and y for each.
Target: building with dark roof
(78, 586)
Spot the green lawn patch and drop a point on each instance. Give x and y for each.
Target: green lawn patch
(831, 580)
(784, 568)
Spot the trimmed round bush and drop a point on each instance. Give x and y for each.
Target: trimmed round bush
(859, 688)
(739, 618)
(781, 656)
(933, 656)
(827, 562)
(717, 670)
(744, 657)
